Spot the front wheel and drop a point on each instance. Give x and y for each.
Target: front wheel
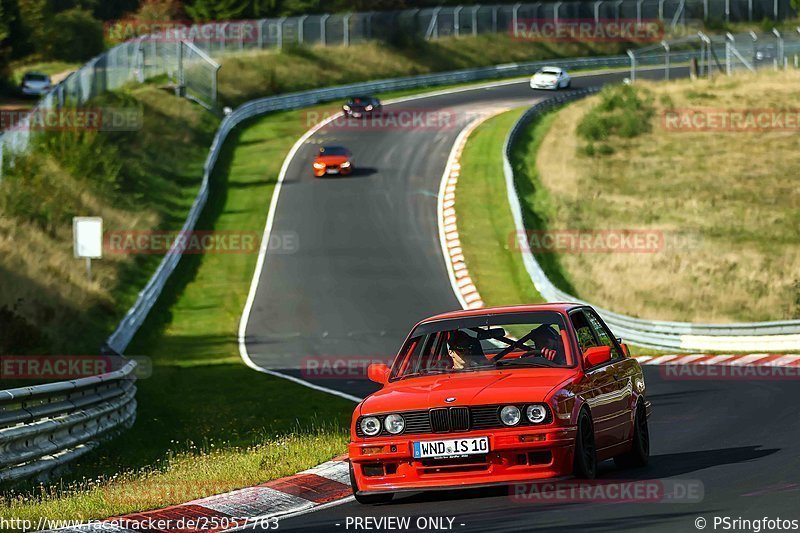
(585, 461)
(639, 454)
(368, 499)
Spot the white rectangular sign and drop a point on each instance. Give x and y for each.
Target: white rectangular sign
(87, 235)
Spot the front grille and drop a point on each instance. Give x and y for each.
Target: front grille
(459, 418)
(440, 420)
(453, 419)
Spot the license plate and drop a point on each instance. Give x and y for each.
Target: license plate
(451, 448)
(332, 171)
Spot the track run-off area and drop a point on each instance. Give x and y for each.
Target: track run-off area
(369, 264)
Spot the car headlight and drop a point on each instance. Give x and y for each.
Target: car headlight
(346, 164)
(370, 425)
(368, 108)
(510, 415)
(346, 107)
(536, 413)
(319, 165)
(394, 424)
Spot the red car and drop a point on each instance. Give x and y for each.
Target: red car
(499, 396)
(333, 160)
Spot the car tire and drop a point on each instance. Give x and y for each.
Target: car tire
(585, 455)
(368, 499)
(639, 454)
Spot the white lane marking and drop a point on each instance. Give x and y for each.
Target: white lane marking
(747, 359)
(253, 500)
(786, 360)
(661, 360)
(333, 470)
(717, 360)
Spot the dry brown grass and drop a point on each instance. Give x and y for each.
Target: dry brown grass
(728, 203)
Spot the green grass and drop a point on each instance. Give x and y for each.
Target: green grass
(202, 408)
(264, 73)
(486, 227)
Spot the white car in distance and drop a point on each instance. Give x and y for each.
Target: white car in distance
(552, 78)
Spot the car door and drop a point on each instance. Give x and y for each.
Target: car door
(621, 390)
(598, 389)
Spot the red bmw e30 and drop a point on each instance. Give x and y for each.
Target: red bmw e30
(499, 396)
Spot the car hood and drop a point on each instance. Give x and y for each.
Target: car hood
(471, 388)
(332, 159)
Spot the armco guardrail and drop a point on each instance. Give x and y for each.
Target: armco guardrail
(660, 334)
(45, 426)
(119, 340)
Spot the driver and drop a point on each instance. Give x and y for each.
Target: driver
(465, 351)
(548, 341)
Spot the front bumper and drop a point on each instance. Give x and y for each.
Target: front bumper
(333, 171)
(515, 455)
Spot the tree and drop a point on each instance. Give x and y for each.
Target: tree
(74, 35)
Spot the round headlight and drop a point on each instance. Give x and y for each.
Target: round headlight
(510, 415)
(536, 413)
(370, 426)
(394, 424)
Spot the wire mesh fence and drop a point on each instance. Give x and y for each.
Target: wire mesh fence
(183, 53)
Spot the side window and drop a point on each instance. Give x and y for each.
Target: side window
(582, 329)
(602, 334)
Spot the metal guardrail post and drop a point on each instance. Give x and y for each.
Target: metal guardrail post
(632, 56)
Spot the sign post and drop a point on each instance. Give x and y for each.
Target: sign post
(87, 233)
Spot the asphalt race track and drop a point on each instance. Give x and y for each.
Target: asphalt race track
(369, 266)
(738, 439)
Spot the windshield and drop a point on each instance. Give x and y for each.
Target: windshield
(332, 150)
(361, 100)
(519, 340)
(31, 76)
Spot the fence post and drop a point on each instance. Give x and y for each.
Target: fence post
(475, 20)
(665, 44)
(435, 23)
(727, 10)
(556, 7)
(515, 17)
(728, 41)
(281, 21)
(705, 9)
(775, 8)
(346, 29)
(617, 10)
(778, 35)
(323, 34)
(300, 35)
(494, 18)
(597, 11)
(638, 11)
(181, 73)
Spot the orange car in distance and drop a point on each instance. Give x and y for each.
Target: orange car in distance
(333, 160)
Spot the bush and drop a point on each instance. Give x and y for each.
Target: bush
(74, 35)
(623, 111)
